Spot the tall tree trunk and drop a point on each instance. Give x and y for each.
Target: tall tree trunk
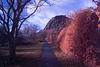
(12, 47)
(16, 37)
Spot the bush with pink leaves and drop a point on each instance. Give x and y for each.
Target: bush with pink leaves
(77, 39)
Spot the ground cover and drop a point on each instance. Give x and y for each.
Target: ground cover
(64, 59)
(26, 56)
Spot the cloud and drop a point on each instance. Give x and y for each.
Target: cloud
(30, 9)
(60, 7)
(39, 21)
(71, 12)
(88, 3)
(0, 11)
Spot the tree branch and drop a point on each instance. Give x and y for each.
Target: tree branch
(26, 18)
(5, 11)
(1, 23)
(20, 9)
(8, 3)
(2, 19)
(8, 14)
(37, 6)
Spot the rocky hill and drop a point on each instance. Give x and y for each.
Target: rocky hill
(54, 26)
(57, 23)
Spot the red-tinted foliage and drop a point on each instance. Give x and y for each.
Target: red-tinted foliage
(51, 36)
(82, 33)
(92, 56)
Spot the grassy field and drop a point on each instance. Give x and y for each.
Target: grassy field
(29, 56)
(26, 56)
(64, 59)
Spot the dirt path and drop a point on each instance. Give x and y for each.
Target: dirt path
(48, 59)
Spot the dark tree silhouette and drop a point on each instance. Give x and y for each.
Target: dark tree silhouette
(12, 16)
(3, 39)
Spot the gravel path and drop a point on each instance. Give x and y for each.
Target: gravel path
(48, 59)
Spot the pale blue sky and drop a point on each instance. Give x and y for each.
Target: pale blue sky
(60, 7)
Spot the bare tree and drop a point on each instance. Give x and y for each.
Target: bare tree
(30, 32)
(42, 34)
(12, 16)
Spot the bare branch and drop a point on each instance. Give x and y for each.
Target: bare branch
(2, 19)
(20, 9)
(9, 11)
(16, 8)
(1, 23)
(1, 3)
(8, 2)
(27, 17)
(2, 10)
(5, 12)
(5, 27)
(24, 19)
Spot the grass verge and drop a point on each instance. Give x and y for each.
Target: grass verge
(26, 56)
(64, 59)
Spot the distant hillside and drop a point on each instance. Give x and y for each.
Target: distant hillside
(54, 26)
(57, 23)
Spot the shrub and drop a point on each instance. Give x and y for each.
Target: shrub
(51, 36)
(41, 36)
(90, 58)
(81, 34)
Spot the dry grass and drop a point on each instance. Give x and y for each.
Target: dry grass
(64, 59)
(26, 56)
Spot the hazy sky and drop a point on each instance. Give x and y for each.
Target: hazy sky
(60, 7)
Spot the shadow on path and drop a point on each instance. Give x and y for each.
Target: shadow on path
(48, 59)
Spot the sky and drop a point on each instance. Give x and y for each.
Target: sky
(59, 7)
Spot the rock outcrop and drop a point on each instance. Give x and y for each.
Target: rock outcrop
(55, 25)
